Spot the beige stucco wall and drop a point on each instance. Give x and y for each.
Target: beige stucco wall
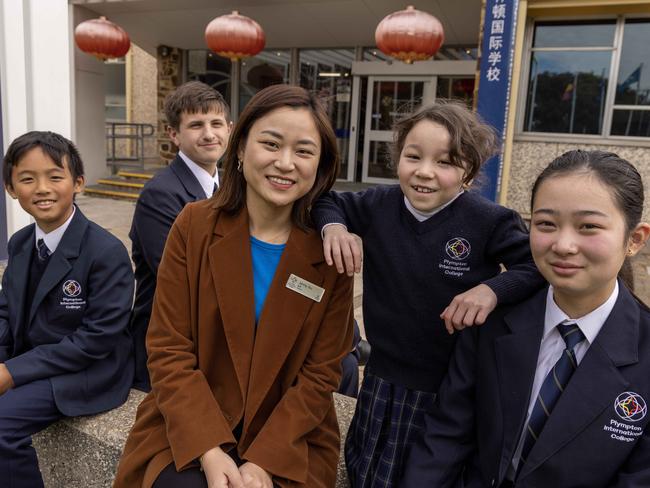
(529, 158)
(142, 89)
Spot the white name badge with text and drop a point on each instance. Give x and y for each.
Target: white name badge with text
(305, 288)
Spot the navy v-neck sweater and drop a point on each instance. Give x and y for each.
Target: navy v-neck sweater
(412, 270)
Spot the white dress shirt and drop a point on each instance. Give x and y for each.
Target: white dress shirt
(553, 347)
(422, 216)
(53, 238)
(206, 180)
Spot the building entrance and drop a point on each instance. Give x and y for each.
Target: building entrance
(388, 99)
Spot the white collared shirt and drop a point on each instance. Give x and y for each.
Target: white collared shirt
(553, 346)
(422, 216)
(53, 238)
(206, 180)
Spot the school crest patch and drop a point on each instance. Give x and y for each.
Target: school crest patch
(630, 406)
(458, 248)
(71, 288)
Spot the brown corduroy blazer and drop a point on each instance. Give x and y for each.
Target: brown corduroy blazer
(211, 367)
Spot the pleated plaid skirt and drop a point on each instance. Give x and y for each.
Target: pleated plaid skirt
(387, 420)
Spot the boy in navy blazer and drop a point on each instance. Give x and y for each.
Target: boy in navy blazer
(65, 302)
(199, 124)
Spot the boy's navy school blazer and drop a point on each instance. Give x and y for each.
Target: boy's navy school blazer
(77, 325)
(159, 203)
(598, 433)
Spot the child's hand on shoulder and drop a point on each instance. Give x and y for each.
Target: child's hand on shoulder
(342, 248)
(469, 308)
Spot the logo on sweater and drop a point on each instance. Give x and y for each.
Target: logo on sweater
(630, 406)
(458, 248)
(71, 288)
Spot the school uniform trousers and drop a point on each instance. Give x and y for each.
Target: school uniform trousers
(261, 391)
(65, 342)
(596, 436)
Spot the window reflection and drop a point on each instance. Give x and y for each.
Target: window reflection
(270, 67)
(327, 72)
(211, 69)
(633, 85)
(566, 91)
(578, 34)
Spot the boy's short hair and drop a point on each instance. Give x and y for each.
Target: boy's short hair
(193, 97)
(54, 145)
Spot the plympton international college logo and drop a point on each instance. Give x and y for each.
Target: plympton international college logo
(457, 248)
(71, 288)
(630, 406)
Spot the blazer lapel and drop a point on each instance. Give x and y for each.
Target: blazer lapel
(187, 178)
(283, 314)
(59, 265)
(18, 283)
(232, 272)
(595, 384)
(516, 356)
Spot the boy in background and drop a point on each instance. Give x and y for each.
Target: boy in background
(199, 125)
(65, 302)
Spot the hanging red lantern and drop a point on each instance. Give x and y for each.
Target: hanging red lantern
(234, 36)
(409, 35)
(102, 38)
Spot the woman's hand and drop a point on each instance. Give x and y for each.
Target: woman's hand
(6, 381)
(220, 470)
(342, 248)
(254, 476)
(469, 308)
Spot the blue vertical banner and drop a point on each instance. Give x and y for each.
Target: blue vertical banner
(497, 53)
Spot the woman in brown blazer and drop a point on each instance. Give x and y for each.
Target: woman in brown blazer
(245, 349)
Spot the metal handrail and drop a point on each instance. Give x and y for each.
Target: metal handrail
(134, 132)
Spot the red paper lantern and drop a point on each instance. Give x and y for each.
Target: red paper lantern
(234, 36)
(409, 35)
(102, 38)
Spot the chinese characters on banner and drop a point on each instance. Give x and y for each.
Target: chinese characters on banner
(495, 80)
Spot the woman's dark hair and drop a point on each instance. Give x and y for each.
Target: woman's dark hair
(54, 145)
(472, 140)
(618, 175)
(231, 197)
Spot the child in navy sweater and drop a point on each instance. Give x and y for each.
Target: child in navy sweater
(433, 254)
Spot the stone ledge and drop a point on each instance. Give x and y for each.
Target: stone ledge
(83, 452)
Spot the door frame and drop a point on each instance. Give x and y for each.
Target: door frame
(428, 96)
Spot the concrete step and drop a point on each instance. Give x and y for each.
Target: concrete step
(117, 182)
(112, 192)
(83, 452)
(136, 174)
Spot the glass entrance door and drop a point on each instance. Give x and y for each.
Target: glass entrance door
(389, 98)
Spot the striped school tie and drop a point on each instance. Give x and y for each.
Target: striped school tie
(43, 250)
(553, 386)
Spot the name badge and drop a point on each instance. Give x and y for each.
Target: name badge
(305, 288)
